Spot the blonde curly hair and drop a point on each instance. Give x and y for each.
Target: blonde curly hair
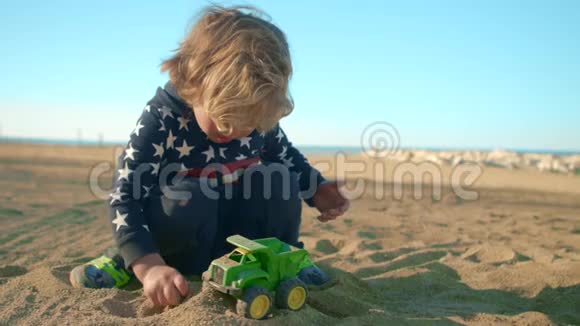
(235, 64)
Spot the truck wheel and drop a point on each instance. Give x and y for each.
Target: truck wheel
(291, 294)
(255, 303)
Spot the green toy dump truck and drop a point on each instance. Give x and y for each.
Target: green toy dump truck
(255, 270)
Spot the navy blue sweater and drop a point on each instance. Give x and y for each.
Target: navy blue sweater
(168, 134)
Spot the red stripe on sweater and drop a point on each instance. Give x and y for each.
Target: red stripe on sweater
(226, 168)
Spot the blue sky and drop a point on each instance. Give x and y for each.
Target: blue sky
(469, 74)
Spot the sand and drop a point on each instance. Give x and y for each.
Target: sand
(509, 257)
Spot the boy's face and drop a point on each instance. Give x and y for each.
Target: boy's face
(208, 126)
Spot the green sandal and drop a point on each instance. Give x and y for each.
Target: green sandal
(99, 273)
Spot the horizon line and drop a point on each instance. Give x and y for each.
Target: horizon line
(92, 142)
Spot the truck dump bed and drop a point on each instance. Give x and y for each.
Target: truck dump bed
(245, 243)
(291, 256)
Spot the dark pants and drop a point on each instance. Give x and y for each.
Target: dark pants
(190, 233)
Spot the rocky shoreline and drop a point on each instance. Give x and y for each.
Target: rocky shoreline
(565, 164)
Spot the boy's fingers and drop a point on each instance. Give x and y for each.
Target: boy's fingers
(160, 298)
(323, 217)
(328, 215)
(171, 295)
(152, 296)
(334, 213)
(182, 285)
(153, 299)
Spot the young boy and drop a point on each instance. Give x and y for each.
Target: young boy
(208, 159)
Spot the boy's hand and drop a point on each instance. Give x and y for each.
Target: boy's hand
(162, 284)
(329, 201)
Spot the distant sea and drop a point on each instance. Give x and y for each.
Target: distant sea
(306, 149)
